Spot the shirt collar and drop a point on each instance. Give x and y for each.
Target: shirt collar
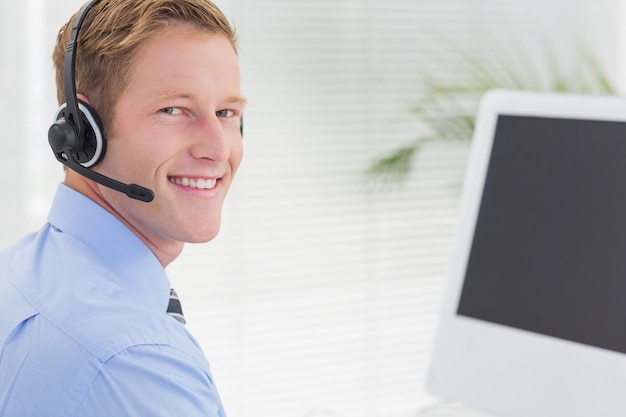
(132, 263)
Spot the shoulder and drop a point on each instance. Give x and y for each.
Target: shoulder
(141, 376)
(152, 380)
(68, 284)
(98, 347)
(69, 341)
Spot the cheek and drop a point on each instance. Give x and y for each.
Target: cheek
(144, 147)
(125, 154)
(129, 160)
(236, 155)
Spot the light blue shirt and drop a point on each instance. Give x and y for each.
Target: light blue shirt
(83, 329)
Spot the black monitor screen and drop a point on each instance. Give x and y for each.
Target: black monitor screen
(549, 249)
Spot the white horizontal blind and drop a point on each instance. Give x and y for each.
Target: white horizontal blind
(321, 294)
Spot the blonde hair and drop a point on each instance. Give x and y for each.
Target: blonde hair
(111, 35)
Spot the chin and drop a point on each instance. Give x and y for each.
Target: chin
(199, 236)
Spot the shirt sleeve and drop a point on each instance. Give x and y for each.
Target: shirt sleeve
(151, 380)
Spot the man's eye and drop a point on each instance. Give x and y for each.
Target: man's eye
(171, 110)
(225, 113)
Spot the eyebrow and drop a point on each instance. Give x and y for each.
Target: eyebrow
(169, 96)
(235, 99)
(238, 99)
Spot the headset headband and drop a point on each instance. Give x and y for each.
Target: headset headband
(69, 76)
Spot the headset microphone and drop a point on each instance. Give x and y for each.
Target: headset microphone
(76, 136)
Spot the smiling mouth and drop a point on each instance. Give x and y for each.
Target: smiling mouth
(199, 183)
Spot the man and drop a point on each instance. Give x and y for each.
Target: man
(83, 323)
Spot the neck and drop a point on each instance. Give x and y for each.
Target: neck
(166, 250)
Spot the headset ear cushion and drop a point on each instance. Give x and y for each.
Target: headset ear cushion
(94, 146)
(94, 143)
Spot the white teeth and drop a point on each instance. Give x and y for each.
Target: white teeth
(200, 183)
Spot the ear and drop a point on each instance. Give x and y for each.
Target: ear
(83, 97)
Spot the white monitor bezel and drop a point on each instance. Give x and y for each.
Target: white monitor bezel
(502, 370)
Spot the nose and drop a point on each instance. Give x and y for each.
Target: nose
(210, 141)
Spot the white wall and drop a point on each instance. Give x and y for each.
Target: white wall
(320, 296)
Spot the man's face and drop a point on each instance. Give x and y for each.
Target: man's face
(176, 132)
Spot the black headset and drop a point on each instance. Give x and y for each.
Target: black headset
(76, 136)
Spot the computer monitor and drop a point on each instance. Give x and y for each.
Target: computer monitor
(534, 317)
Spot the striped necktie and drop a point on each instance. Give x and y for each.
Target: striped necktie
(174, 308)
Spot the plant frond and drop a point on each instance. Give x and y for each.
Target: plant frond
(447, 107)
